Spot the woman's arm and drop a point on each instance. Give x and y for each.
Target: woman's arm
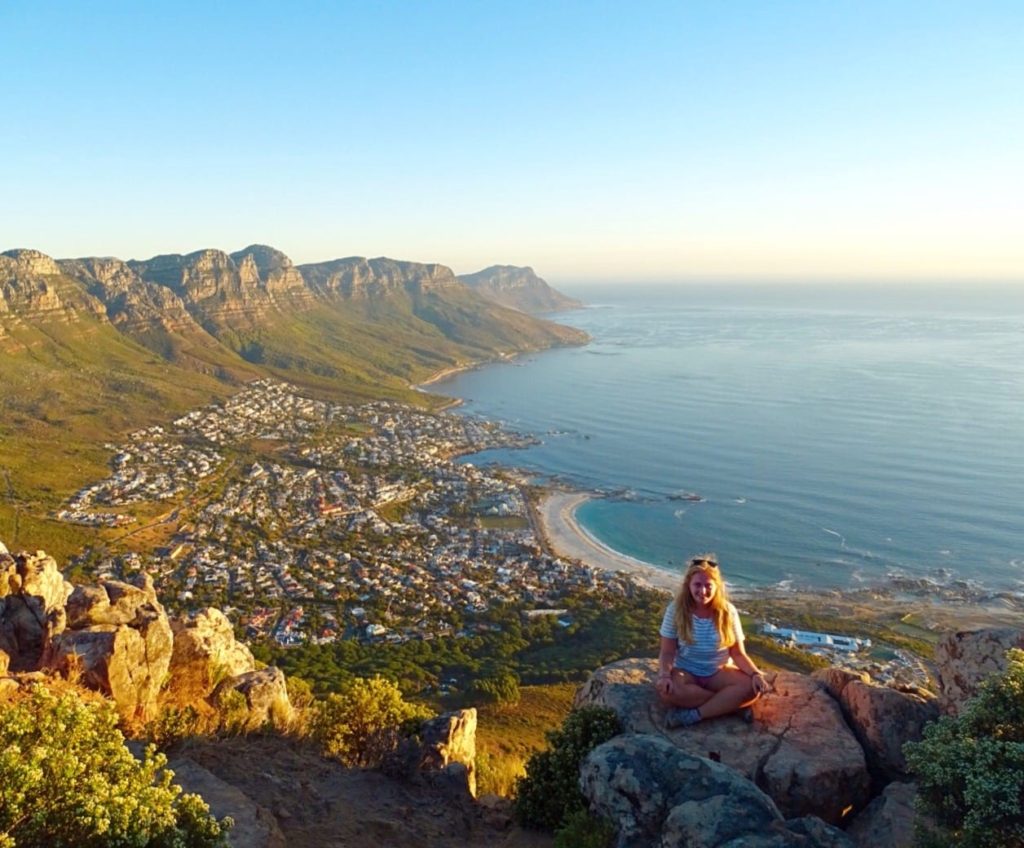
(744, 663)
(666, 659)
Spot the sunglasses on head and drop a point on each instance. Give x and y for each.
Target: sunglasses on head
(710, 563)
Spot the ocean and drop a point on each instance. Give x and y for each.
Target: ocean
(812, 437)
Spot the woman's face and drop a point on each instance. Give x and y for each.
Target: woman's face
(702, 588)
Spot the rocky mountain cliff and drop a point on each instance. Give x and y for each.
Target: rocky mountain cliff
(86, 330)
(518, 288)
(355, 321)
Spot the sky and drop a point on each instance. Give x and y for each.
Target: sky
(593, 141)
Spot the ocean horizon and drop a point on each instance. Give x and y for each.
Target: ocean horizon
(812, 437)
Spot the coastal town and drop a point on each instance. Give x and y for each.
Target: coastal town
(308, 521)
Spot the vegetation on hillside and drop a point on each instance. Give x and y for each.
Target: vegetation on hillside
(970, 768)
(549, 795)
(501, 645)
(68, 781)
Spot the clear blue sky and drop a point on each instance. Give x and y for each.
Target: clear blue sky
(591, 140)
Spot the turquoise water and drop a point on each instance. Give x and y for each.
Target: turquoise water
(834, 442)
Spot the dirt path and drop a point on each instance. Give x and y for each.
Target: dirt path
(320, 804)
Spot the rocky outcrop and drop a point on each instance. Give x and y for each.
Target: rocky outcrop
(116, 638)
(205, 654)
(357, 277)
(660, 795)
(451, 739)
(883, 719)
(518, 288)
(965, 659)
(798, 749)
(264, 694)
(889, 820)
(32, 597)
(119, 642)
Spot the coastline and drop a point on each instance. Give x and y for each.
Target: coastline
(565, 537)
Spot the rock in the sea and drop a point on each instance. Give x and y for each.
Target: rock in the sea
(656, 794)
(965, 659)
(799, 750)
(205, 654)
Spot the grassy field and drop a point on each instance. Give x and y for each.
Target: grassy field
(508, 734)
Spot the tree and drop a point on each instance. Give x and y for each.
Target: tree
(68, 781)
(363, 721)
(970, 768)
(549, 794)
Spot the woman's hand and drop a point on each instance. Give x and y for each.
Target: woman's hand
(758, 682)
(664, 684)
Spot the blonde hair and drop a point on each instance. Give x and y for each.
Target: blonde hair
(721, 611)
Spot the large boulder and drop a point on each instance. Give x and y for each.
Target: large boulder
(32, 596)
(128, 662)
(883, 719)
(263, 693)
(965, 659)
(451, 738)
(888, 820)
(205, 654)
(656, 794)
(112, 602)
(798, 749)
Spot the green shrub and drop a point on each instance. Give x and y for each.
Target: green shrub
(582, 830)
(364, 721)
(549, 793)
(970, 769)
(173, 725)
(68, 781)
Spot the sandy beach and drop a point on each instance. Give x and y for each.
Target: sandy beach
(567, 539)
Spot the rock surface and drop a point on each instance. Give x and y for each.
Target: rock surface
(205, 654)
(965, 659)
(33, 593)
(798, 750)
(265, 694)
(119, 641)
(882, 720)
(659, 795)
(255, 826)
(888, 820)
(451, 738)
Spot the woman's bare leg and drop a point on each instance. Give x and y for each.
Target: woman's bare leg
(731, 690)
(686, 692)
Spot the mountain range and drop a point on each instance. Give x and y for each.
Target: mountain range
(95, 346)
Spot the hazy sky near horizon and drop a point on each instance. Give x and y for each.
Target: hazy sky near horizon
(591, 140)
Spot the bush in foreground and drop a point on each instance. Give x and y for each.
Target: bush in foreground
(549, 794)
(68, 781)
(970, 769)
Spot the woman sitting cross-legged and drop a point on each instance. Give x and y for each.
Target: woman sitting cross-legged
(700, 634)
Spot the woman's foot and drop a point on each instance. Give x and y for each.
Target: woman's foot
(681, 717)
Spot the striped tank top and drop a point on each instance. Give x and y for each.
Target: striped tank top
(704, 656)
